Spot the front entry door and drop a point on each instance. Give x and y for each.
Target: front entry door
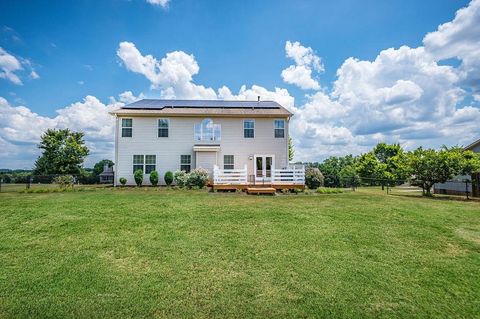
(264, 164)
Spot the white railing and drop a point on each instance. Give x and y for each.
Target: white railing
(294, 174)
(229, 176)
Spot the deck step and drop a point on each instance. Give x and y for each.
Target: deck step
(261, 190)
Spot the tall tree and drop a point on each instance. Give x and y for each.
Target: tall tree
(383, 152)
(63, 152)
(429, 167)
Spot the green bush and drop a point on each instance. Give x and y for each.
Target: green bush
(123, 181)
(154, 178)
(197, 178)
(138, 176)
(168, 178)
(180, 178)
(313, 178)
(324, 190)
(64, 181)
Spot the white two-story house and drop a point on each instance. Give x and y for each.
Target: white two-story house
(171, 135)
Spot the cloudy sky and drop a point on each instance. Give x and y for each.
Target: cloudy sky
(354, 72)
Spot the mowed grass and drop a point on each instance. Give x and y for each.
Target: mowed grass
(171, 253)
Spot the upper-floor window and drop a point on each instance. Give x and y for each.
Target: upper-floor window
(248, 128)
(207, 131)
(279, 127)
(163, 128)
(127, 127)
(185, 163)
(228, 162)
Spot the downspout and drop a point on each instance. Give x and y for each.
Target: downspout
(115, 176)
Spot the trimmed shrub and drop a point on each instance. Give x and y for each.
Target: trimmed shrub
(197, 178)
(123, 181)
(154, 178)
(313, 177)
(324, 190)
(64, 181)
(168, 178)
(138, 175)
(180, 178)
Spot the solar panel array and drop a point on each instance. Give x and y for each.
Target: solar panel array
(160, 104)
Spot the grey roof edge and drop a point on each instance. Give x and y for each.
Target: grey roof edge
(477, 142)
(163, 103)
(199, 104)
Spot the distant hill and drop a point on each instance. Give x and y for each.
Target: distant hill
(8, 170)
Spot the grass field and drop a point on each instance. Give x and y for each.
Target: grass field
(170, 253)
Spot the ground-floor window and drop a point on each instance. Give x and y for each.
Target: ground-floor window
(150, 163)
(145, 163)
(186, 163)
(228, 162)
(138, 163)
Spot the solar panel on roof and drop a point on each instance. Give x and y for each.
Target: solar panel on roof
(160, 104)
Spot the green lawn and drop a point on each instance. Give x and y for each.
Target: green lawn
(170, 253)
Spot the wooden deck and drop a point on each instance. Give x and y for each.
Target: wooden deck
(261, 190)
(252, 185)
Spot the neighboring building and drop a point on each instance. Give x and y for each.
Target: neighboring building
(171, 135)
(106, 177)
(457, 186)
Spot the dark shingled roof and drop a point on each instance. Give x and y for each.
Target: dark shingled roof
(154, 104)
(152, 107)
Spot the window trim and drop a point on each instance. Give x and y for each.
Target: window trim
(126, 127)
(142, 164)
(189, 164)
(158, 127)
(275, 128)
(150, 164)
(232, 165)
(253, 129)
(216, 135)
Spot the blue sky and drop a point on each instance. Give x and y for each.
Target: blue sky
(70, 50)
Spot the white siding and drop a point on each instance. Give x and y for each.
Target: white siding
(181, 141)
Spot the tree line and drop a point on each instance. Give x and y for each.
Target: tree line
(390, 164)
(63, 153)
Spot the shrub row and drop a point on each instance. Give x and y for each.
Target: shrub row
(196, 178)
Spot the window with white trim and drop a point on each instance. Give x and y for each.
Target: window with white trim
(150, 163)
(145, 163)
(163, 127)
(228, 162)
(279, 128)
(207, 131)
(186, 163)
(138, 161)
(248, 128)
(127, 127)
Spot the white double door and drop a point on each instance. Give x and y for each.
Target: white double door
(263, 167)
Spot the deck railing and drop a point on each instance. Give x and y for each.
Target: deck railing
(294, 174)
(291, 175)
(229, 176)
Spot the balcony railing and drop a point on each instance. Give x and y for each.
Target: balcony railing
(291, 175)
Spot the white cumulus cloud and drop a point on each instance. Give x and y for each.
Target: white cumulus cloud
(306, 62)
(20, 128)
(173, 76)
(162, 3)
(460, 39)
(9, 64)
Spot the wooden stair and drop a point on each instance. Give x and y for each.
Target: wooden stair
(260, 190)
